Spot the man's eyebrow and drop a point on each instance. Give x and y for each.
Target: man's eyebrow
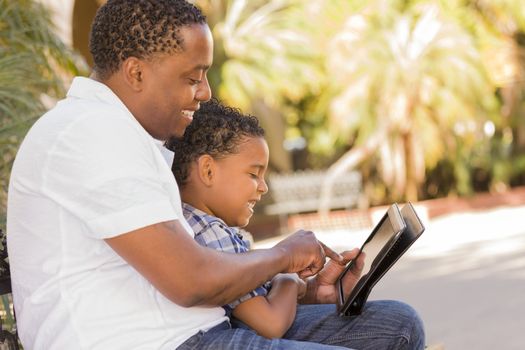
(198, 67)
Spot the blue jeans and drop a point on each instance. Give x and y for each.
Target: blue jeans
(382, 325)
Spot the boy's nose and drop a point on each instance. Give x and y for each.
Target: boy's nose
(263, 187)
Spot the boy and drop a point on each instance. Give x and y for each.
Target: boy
(219, 166)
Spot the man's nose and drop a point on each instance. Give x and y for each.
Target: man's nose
(203, 93)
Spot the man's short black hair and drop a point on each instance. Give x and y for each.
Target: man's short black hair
(138, 28)
(216, 130)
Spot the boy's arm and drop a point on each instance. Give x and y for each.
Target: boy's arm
(272, 316)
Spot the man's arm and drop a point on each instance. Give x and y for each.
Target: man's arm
(189, 274)
(271, 316)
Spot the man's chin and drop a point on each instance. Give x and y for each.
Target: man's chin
(175, 137)
(177, 134)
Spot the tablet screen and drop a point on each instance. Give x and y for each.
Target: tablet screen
(380, 240)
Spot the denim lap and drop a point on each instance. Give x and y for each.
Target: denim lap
(244, 339)
(382, 325)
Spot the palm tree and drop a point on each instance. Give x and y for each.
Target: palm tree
(412, 92)
(502, 27)
(34, 64)
(262, 62)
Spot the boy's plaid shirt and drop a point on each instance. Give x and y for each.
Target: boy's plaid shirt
(212, 232)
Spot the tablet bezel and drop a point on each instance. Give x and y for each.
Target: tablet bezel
(397, 223)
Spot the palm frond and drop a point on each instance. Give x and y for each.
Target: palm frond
(34, 63)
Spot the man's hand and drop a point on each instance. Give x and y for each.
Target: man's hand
(321, 287)
(306, 254)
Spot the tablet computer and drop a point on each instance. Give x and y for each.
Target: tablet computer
(375, 248)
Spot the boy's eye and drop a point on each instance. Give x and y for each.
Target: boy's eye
(195, 81)
(255, 176)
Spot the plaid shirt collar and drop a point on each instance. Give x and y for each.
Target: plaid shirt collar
(199, 220)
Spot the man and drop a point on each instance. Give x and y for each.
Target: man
(101, 257)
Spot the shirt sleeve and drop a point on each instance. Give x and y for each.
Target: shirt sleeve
(104, 170)
(223, 238)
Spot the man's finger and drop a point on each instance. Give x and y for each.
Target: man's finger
(332, 254)
(305, 273)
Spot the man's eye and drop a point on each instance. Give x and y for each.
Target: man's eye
(195, 81)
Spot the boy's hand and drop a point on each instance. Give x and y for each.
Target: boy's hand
(321, 288)
(301, 284)
(301, 291)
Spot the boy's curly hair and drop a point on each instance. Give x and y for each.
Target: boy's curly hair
(138, 28)
(216, 130)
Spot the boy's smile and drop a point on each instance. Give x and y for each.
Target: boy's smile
(238, 182)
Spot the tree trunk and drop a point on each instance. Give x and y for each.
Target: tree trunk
(348, 161)
(411, 190)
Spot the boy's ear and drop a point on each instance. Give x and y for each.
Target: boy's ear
(133, 70)
(206, 169)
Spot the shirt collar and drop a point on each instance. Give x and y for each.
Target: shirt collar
(206, 218)
(93, 90)
(166, 152)
(90, 89)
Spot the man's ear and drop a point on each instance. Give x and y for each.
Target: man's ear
(133, 70)
(206, 169)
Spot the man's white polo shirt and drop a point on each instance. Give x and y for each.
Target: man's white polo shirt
(87, 171)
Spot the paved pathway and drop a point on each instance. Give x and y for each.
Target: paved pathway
(465, 276)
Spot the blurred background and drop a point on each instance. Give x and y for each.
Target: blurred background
(365, 103)
(423, 99)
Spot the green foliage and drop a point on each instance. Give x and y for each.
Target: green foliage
(444, 78)
(33, 66)
(411, 71)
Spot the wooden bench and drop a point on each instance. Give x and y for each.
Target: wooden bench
(8, 332)
(300, 192)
